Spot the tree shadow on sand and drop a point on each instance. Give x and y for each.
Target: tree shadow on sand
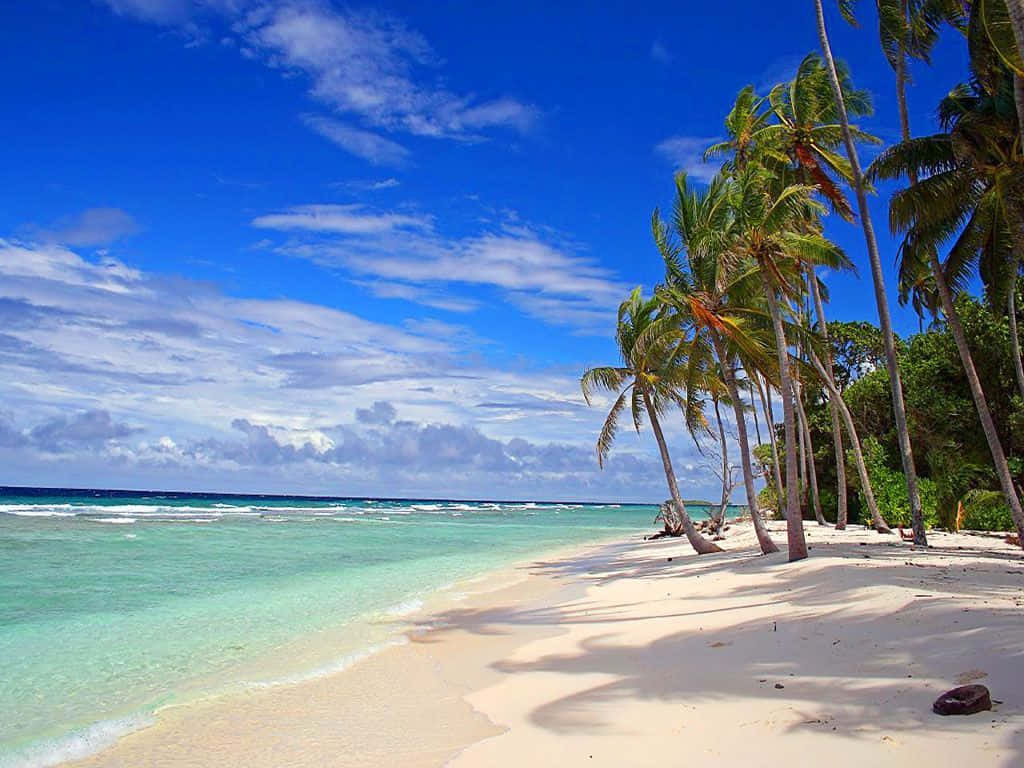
(813, 627)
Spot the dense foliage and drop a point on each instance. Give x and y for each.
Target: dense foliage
(930, 425)
(953, 458)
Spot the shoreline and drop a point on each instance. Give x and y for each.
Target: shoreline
(597, 650)
(108, 742)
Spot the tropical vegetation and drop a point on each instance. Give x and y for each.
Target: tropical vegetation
(931, 423)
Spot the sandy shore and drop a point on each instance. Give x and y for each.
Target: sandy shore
(618, 656)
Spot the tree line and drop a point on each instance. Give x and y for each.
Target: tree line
(739, 318)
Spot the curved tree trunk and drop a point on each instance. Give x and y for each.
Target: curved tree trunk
(1011, 311)
(753, 410)
(794, 521)
(764, 539)
(920, 536)
(698, 542)
(858, 456)
(801, 461)
(719, 520)
(769, 417)
(978, 394)
(812, 473)
(884, 320)
(1018, 93)
(833, 409)
(1015, 10)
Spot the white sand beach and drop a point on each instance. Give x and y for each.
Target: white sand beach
(643, 654)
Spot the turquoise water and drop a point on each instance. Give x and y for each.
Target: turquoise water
(113, 607)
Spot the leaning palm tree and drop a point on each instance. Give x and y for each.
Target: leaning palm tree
(970, 186)
(650, 381)
(908, 31)
(768, 218)
(744, 127)
(878, 277)
(842, 502)
(809, 132)
(997, 68)
(703, 290)
(1001, 22)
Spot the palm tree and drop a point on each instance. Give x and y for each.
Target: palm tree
(802, 144)
(1002, 23)
(885, 321)
(809, 131)
(767, 229)
(764, 393)
(996, 60)
(970, 185)
(833, 408)
(907, 31)
(836, 396)
(649, 381)
(702, 292)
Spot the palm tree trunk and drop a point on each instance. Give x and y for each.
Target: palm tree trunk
(1018, 97)
(698, 542)
(719, 520)
(801, 460)
(753, 409)
(769, 417)
(858, 456)
(1011, 311)
(1015, 10)
(978, 394)
(812, 472)
(764, 539)
(833, 409)
(884, 320)
(920, 536)
(794, 521)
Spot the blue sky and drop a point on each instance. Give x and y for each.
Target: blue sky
(361, 249)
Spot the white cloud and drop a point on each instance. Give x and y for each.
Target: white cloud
(366, 65)
(408, 259)
(367, 185)
(384, 289)
(341, 219)
(93, 226)
(154, 11)
(365, 144)
(686, 153)
(112, 375)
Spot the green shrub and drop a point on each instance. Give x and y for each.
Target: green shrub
(891, 489)
(986, 511)
(767, 503)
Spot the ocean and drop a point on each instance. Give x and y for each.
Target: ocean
(116, 604)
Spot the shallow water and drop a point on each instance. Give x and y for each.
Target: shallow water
(111, 607)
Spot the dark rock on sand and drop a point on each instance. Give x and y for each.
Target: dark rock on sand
(965, 700)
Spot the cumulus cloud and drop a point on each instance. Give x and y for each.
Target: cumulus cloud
(382, 412)
(124, 377)
(90, 428)
(686, 153)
